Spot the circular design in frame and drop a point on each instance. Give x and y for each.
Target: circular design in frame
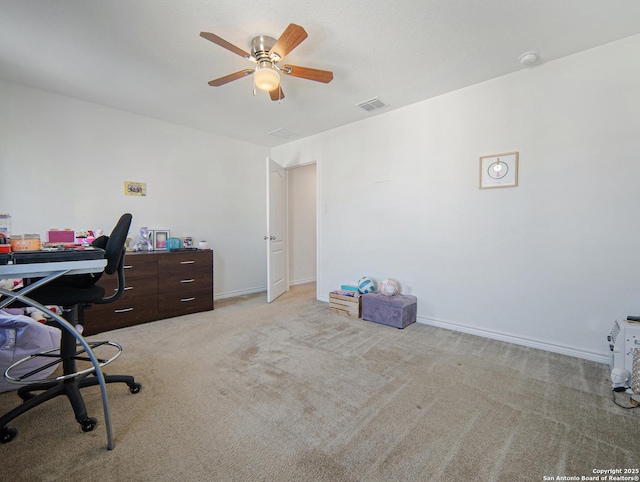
(499, 170)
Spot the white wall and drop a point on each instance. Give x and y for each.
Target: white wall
(550, 263)
(63, 163)
(301, 203)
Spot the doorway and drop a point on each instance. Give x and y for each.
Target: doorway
(301, 224)
(291, 227)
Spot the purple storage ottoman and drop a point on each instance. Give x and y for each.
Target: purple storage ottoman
(396, 310)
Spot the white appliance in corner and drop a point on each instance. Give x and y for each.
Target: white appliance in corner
(624, 343)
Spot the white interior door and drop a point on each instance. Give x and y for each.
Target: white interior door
(276, 231)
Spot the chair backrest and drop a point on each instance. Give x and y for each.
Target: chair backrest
(115, 246)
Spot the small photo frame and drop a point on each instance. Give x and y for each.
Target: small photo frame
(159, 240)
(133, 188)
(187, 242)
(499, 170)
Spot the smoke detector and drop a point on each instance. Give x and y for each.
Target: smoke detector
(528, 58)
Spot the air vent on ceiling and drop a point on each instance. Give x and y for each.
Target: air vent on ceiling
(284, 133)
(371, 104)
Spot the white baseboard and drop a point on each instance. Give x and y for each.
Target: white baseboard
(516, 340)
(233, 294)
(540, 345)
(258, 289)
(302, 281)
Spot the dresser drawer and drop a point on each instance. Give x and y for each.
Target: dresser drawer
(184, 302)
(118, 314)
(139, 266)
(194, 280)
(181, 263)
(137, 288)
(139, 272)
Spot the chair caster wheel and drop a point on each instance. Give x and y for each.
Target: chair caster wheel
(88, 424)
(135, 388)
(7, 434)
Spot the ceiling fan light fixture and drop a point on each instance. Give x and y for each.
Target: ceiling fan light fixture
(266, 77)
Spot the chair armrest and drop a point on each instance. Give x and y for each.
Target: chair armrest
(121, 282)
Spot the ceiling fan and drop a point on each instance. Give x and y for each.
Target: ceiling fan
(266, 52)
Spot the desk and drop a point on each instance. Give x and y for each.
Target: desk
(51, 265)
(37, 270)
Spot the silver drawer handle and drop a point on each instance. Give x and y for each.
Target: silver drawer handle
(128, 266)
(188, 299)
(187, 280)
(123, 310)
(126, 288)
(187, 262)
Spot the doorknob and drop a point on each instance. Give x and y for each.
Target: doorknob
(265, 238)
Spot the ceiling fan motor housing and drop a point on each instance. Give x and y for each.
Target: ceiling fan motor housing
(260, 47)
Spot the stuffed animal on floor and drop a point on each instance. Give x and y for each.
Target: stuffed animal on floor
(143, 243)
(34, 313)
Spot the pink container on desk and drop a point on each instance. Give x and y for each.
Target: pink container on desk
(63, 236)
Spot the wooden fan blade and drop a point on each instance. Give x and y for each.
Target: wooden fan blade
(277, 94)
(289, 40)
(228, 78)
(325, 76)
(223, 43)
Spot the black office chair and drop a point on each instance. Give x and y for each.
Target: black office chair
(74, 293)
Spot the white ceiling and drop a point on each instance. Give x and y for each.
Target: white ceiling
(146, 56)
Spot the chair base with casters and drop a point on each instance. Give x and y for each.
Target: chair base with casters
(68, 384)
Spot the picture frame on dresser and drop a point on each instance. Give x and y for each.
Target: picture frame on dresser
(160, 237)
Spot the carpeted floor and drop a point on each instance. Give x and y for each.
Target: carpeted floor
(291, 392)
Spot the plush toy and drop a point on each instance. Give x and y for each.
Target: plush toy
(6, 284)
(35, 314)
(10, 284)
(143, 243)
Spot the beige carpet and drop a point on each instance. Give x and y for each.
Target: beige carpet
(291, 392)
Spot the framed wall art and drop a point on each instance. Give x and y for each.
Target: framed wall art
(132, 188)
(499, 170)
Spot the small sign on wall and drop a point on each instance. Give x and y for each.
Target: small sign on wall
(132, 188)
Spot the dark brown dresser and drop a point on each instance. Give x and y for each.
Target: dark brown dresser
(158, 285)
